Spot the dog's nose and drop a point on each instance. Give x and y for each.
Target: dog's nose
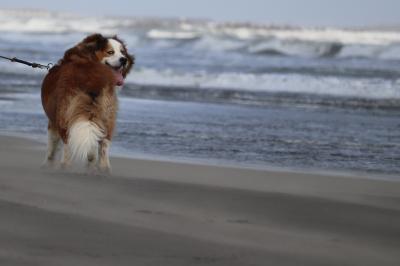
(123, 60)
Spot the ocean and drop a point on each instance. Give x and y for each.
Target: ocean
(236, 93)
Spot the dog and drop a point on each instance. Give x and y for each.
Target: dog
(79, 98)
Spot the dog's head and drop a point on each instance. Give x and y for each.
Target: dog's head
(110, 51)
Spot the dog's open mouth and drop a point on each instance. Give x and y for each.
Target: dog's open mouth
(119, 78)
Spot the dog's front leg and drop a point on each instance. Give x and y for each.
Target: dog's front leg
(104, 160)
(52, 146)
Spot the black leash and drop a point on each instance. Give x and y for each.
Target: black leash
(34, 65)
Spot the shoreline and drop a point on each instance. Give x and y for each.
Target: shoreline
(117, 152)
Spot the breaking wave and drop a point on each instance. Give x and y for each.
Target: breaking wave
(264, 89)
(369, 88)
(207, 35)
(220, 62)
(256, 98)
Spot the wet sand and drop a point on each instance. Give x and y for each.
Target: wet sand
(152, 212)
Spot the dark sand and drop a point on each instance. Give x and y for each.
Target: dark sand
(166, 213)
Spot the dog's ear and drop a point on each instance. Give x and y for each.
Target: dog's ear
(129, 64)
(94, 42)
(86, 49)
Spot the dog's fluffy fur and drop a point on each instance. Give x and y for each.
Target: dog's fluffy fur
(80, 101)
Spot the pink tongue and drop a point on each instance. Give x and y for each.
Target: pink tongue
(119, 79)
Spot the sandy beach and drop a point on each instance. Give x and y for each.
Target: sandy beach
(152, 212)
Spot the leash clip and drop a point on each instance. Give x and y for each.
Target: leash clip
(49, 65)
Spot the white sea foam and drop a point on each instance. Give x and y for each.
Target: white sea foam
(367, 88)
(307, 42)
(49, 22)
(162, 34)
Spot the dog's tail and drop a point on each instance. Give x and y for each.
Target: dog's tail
(83, 141)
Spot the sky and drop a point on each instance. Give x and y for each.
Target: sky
(291, 12)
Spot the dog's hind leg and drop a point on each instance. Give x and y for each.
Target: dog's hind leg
(92, 160)
(104, 160)
(52, 147)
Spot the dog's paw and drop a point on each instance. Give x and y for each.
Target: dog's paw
(105, 171)
(47, 165)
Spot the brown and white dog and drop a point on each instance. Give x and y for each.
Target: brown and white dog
(80, 101)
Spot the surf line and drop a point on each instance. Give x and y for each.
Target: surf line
(31, 64)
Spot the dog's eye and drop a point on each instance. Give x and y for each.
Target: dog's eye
(110, 52)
